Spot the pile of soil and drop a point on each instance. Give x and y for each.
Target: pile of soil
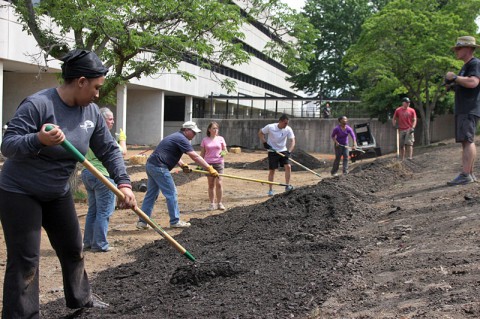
(389, 240)
(297, 155)
(288, 254)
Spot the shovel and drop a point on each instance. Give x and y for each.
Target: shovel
(302, 166)
(79, 157)
(242, 178)
(398, 144)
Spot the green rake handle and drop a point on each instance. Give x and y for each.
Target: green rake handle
(79, 157)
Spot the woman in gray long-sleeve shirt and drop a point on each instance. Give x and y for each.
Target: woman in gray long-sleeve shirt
(34, 189)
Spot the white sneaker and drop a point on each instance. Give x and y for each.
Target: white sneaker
(181, 224)
(220, 206)
(142, 225)
(213, 206)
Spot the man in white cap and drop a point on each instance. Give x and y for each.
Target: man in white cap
(467, 105)
(168, 154)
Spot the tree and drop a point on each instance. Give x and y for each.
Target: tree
(140, 38)
(405, 49)
(339, 25)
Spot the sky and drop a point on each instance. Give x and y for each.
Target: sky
(295, 4)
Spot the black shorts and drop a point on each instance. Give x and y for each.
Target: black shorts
(465, 127)
(275, 160)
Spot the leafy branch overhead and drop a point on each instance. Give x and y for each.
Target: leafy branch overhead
(138, 38)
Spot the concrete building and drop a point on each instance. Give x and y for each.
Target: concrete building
(150, 108)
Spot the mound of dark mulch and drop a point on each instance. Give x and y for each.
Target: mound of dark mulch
(288, 254)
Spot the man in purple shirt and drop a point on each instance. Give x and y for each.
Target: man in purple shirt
(340, 138)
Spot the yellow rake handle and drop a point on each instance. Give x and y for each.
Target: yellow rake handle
(242, 178)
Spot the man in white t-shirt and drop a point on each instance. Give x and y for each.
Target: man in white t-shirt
(274, 138)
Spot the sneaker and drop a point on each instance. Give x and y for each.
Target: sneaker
(212, 206)
(220, 206)
(96, 302)
(181, 224)
(334, 174)
(86, 248)
(288, 188)
(270, 192)
(98, 250)
(142, 225)
(474, 178)
(461, 179)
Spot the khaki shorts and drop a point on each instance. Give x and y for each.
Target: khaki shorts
(406, 138)
(219, 167)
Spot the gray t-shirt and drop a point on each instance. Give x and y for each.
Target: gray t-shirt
(43, 171)
(170, 150)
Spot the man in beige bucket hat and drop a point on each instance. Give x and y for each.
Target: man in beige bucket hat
(467, 105)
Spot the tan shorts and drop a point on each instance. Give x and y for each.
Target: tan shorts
(406, 138)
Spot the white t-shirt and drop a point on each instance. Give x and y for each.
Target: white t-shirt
(277, 137)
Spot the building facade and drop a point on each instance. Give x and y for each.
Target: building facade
(151, 107)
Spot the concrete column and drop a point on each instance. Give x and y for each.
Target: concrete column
(188, 108)
(121, 116)
(161, 106)
(1, 100)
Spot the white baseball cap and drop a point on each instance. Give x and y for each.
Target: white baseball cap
(191, 125)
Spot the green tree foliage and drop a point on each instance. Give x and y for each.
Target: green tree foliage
(339, 25)
(405, 49)
(142, 37)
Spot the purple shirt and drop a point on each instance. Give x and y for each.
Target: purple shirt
(342, 135)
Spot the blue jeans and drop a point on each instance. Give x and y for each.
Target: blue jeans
(339, 152)
(160, 179)
(101, 204)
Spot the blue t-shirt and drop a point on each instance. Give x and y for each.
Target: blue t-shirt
(43, 171)
(467, 101)
(170, 150)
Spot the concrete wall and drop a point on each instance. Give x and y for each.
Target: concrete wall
(313, 135)
(17, 86)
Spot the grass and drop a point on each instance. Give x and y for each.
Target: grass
(79, 196)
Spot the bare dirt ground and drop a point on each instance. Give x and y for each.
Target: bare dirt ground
(389, 240)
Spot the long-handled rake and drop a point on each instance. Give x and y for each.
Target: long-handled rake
(358, 149)
(302, 166)
(242, 178)
(79, 157)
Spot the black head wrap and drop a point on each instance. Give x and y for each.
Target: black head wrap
(78, 63)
